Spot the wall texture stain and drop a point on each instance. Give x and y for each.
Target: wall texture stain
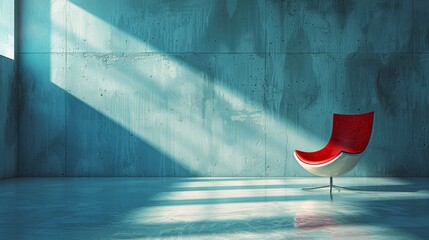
(218, 88)
(8, 119)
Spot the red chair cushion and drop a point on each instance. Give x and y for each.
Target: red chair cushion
(321, 156)
(350, 134)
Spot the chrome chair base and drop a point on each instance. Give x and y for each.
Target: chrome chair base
(331, 186)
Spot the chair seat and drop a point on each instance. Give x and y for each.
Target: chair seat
(324, 155)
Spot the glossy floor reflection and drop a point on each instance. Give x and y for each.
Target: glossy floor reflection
(212, 208)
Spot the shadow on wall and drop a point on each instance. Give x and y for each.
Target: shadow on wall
(186, 26)
(120, 152)
(8, 118)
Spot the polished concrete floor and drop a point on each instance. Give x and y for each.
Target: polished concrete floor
(212, 208)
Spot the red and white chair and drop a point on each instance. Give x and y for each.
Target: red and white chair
(349, 138)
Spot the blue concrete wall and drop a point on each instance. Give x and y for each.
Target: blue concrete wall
(8, 119)
(218, 88)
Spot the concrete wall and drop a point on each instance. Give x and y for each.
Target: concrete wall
(219, 88)
(8, 119)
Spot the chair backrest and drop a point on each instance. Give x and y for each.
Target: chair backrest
(351, 133)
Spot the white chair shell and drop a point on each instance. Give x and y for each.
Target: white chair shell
(340, 165)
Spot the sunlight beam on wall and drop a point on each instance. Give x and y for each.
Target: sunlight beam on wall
(7, 28)
(161, 100)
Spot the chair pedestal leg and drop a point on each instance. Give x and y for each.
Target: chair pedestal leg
(325, 186)
(331, 185)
